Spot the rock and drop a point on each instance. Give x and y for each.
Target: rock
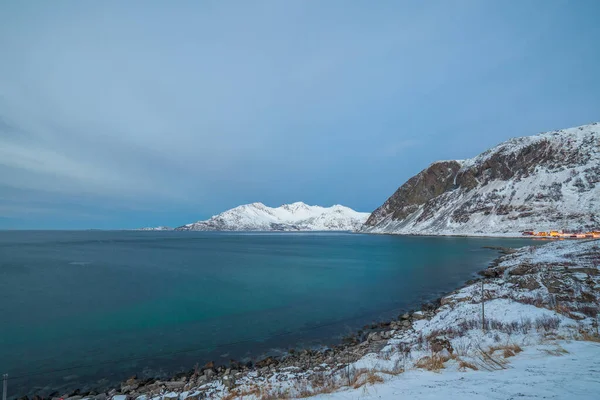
(202, 380)
(171, 396)
(405, 316)
(440, 344)
(101, 396)
(267, 362)
(112, 392)
(387, 335)
(406, 324)
(209, 373)
(417, 315)
(120, 397)
(74, 398)
(192, 396)
(209, 365)
(522, 269)
(174, 385)
(129, 388)
(447, 300)
(528, 282)
(228, 381)
(150, 387)
(490, 273)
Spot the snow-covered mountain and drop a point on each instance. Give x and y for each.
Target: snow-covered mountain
(289, 217)
(542, 182)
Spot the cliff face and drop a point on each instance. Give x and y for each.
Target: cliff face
(418, 190)
(546, 181)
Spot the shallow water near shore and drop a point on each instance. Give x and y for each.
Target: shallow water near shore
(101, 306)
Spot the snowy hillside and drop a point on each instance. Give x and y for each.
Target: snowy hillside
(542, 182)
(289, 217)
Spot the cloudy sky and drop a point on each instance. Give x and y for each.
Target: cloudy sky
(124, 114)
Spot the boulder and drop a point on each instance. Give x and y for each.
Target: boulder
(193, 396)
(202, 380)
(174, 385)
(522, 269)
(171, 396)
(129, 388)
(417, 315)
(267, 362)
(228, 381)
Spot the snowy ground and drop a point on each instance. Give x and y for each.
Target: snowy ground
(532, 374)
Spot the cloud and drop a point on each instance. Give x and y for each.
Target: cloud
(151, 106)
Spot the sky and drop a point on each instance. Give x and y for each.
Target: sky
(143, 113)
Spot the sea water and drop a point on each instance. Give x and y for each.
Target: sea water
(96, 307)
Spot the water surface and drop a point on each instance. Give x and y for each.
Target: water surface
(162, 301)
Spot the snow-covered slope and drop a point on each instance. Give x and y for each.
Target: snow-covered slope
(289, 217)
(542, 182)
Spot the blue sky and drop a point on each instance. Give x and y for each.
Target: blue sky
(126, 114)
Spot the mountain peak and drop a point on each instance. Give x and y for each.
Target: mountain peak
(541, 182)
(297, 216)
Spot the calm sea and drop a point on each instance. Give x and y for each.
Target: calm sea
(100, 306)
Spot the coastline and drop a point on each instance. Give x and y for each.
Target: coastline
(317, 370)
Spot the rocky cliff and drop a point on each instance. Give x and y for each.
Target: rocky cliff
(542, 182)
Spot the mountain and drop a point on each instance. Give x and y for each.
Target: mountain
(289, 217)
(541, 182)
(157, 228)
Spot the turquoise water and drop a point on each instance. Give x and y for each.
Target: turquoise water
(162, 301)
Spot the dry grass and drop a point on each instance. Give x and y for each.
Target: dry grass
(558, 351)
(365, 377)
(464, 365)
(254, 391)
(489, 361)
(275, 394)
(589, 337)
(431, 363)
(508, 350)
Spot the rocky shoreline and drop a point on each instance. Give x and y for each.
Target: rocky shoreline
(352, 347)
(516, 275)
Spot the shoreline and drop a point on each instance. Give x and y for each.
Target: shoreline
(212, 381)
